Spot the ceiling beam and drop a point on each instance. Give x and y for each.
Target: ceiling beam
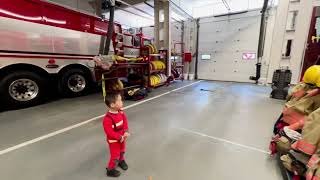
(178, 8)
(133, 2)
(125, 10)
(150, 5)
(132, 6)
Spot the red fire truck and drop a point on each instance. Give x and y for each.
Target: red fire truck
(41, 39)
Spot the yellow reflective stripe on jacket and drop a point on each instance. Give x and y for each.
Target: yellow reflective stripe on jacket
(118, 124)
(112, 141)
(103, 87)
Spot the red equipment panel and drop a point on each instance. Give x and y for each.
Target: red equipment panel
(187, 57)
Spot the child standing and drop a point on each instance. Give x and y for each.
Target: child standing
(115, 125)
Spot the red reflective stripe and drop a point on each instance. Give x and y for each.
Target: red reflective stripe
(305, 147)
(309, 175)
(50, 57)
(299, 93)
(315, 178)
(313, 162)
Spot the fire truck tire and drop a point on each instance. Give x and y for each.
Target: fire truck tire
(74, 83)
(22, 89)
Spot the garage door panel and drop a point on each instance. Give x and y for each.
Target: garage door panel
(243, 42)
(213, 31)
(230, 46)
(242, 47)
(204, 65)
(213, 39)
(225, 75)
(227, 41)
(243, 23)
(214, 27)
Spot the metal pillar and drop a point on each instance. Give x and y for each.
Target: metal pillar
(163, 42)
(191, 67)
(157, 23)
(167, 32)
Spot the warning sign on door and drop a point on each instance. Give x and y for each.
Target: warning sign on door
(249, 56)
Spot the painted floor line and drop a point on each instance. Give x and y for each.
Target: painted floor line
(10, 149)
(224, 140)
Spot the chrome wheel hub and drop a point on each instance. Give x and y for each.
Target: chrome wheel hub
(76, 83)
(23, 90)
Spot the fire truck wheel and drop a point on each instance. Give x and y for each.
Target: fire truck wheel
(22, 89)
(74, 82)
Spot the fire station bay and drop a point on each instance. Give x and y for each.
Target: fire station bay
(160, 89)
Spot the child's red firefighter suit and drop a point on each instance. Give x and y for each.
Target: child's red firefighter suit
(115, 125)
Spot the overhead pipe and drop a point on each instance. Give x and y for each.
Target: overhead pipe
(148, 4)
(226, 5)
(231, 14)
(261, 42)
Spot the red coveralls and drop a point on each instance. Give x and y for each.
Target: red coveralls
(115, 125)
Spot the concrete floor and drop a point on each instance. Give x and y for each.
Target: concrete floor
(189, 134)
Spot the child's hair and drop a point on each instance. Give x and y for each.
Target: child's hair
(111, 98)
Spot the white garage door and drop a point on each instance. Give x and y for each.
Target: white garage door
(228, 46)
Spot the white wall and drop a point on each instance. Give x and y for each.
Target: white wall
(299, 37)
(176, 32)
(271, 18)
(148, 31)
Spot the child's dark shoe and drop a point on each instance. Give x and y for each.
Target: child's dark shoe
(123, 165)
(113, 173)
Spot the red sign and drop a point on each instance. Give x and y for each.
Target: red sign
(249, 56)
